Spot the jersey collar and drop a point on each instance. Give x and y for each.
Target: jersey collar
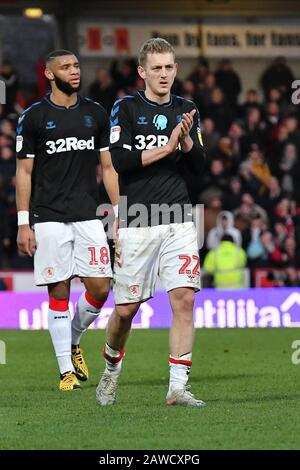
(57, 106)
(153, 103)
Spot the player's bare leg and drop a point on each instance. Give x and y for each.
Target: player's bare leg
(117, 332)
(88, 309)
(119, 325)
(181, 344)
(59, 323)
(182, 328)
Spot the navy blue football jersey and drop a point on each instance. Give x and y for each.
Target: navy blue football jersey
(65, 144)
(139, 124)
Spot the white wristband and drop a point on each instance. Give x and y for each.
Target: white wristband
(23, 218)
(116, 210)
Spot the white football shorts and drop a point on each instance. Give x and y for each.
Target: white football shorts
(142, 254)
(70, 249)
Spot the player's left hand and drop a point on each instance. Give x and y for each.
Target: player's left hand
(187, 124)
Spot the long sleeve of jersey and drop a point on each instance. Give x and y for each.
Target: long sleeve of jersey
(124, 158)
(196, 156)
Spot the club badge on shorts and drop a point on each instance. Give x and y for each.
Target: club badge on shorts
(134, 291)
(48, 273)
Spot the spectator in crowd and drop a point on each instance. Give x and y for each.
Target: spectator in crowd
(272, 252)
(272, 115)
(235, 135)
(289, 167)
(270, 199)
(212, 206)
(199, 74)
(124, 75)
(226, 263)
(285, 105)
(277, 75)
(203, 95)
(7, 129)
(255, 250)
(286, 211)
(7, 163)
(229, 82)
(210, 136)
(250, 210)
(254, 131)
(259, 169)
(280, 232)
(10, 78)
(292, 278)
(291, 125)
(102, 89)
(225, 152)
(219, 111)
(250, 183)
(234, 194)
(250, 102)
(290, 252)
(188, 90)
(224, 225)
(217, 177)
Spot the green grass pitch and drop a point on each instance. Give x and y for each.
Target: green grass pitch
(251, 387)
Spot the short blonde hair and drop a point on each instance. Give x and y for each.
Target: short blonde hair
(154, 46)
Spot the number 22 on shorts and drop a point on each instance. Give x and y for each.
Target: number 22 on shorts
(187, 261)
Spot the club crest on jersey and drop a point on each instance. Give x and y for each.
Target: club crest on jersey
(160, 121)
(50, 125)
(142, 120)
(88, 121)
(115, 134)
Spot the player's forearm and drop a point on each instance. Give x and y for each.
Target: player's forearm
(153, 155)
(111, 183)
(127, 160)
(186, 144)
(23, 189)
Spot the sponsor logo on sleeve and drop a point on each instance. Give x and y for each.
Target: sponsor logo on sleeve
(19, 143)
(115, 134)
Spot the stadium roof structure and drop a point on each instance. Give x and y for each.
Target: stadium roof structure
(167, 9)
